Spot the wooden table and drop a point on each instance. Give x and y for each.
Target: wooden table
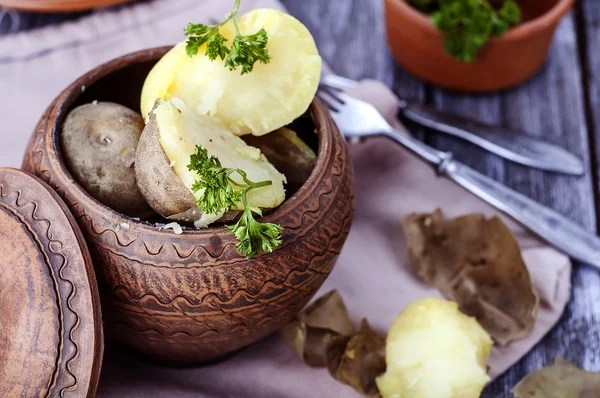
(561, 104)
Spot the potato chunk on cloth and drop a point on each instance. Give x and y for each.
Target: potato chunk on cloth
(435, 351)
(270, 97)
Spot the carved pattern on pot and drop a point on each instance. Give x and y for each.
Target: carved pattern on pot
(50, 290)
(161, 292)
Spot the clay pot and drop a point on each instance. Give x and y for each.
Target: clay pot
(58, 5)
(191, 298)
(503, 62)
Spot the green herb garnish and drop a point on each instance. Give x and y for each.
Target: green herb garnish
(245, 50)
(221, 192)
(467, 25)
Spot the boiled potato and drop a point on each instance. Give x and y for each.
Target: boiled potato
(270, 97)
(98, 143)
(288, 153)
(158, 182)
(164, 153)
(435, 351)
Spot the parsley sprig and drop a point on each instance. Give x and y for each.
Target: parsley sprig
(221, 192)
(467, 25)
(245, 51)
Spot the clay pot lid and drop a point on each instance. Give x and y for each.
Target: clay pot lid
(51, 338)
(58, 5)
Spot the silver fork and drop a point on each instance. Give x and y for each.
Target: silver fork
(359, 119)
(511, 145)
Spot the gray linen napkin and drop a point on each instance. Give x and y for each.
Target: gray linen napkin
(372, 273)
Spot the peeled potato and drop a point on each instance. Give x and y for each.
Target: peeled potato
(270, 97)
(435, 351)
(164, 153)
(98, 142)
(288, 153)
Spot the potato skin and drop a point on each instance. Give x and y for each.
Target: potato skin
(157, 181)
(98, 142)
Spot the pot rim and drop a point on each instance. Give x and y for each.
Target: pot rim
(551, 17)
(68, 96)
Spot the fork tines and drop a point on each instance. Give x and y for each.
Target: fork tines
(330, 98)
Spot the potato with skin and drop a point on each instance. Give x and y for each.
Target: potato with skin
(270, 97)
(158, 182)
(99, 142)
(435, 351)
(161, 186)
(167, 143)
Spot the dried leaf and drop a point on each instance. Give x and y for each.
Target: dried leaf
(358, 360)
(308, 333)
(477, 263)
(561, 380)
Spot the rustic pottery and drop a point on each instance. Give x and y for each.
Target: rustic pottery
(50, 326)
(190, 298)
(503, 62)
(58, 5)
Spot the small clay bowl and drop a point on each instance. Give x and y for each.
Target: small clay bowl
(191, 298)
(504, 61)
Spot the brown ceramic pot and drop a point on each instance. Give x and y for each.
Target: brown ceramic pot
(192, 298)
(503, 62)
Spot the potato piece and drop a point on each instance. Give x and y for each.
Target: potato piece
(288, 153)
(159, 183)
(435, 351)
(98, 142)
(270, 97)
(164, 153)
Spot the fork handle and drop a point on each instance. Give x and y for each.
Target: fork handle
(545, 222)
(433, 156)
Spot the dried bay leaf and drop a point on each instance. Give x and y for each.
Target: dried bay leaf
(561, 380)
(476, 262)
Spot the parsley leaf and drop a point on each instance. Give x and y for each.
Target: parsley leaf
(220, 192)
(201, 34)
(467, 25)
(254, 237)
(510, 12)
(245, 50)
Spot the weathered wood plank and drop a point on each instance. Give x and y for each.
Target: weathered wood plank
(586, 300)
(550, 106)
(12, 21)
(589, 15)
(351, 38)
